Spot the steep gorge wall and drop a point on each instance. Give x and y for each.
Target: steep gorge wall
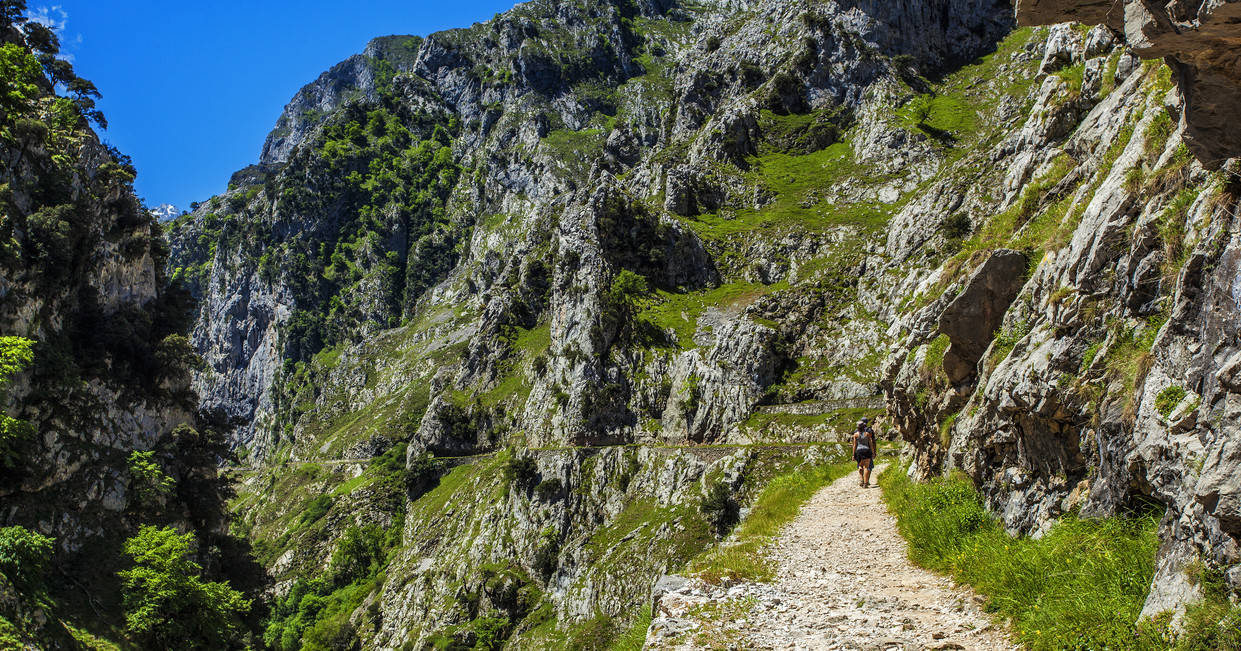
(1001, 229)
(1101, 390)
(543, 110)
(83, 277)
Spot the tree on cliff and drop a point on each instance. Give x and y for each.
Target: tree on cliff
(168, 604)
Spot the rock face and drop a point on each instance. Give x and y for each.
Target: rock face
(83, 276)
(1200, 41)
(1105, 386)
(976, 313)
(360, 77)
(590, 225)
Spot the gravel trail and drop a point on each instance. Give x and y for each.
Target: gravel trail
(844, 582)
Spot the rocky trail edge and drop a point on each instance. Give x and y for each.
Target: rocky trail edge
(844, 581)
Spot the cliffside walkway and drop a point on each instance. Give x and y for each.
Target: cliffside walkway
(844, 581)
(711, 451)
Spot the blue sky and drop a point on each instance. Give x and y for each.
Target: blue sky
(190, 89)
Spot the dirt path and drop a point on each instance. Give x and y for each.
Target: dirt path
(844, 582)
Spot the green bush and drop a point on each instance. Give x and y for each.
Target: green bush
(15, 357)
(547, 554)
(147, 482)
(24, 557)
(168, 604)
(549, 488)
(1080, 586)
(720, 509)
(317, 508)
(359, 555)
(520, 469)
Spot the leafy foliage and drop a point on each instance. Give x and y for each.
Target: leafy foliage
(168, 604)
(547, 554)
(15, 356)
(360, 554)
(720, 509)
(20, 73)
(147, 480)
(24, 558)
(520, 469)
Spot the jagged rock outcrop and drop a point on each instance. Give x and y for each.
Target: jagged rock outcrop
(1100, 390)
(1199, 40)
(360, 77)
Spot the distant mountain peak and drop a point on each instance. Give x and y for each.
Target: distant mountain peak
(165, 212)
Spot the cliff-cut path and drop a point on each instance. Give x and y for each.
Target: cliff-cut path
(844, 582)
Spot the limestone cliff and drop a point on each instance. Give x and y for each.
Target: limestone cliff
(659, 224)
(83, 277)
(1199, 40)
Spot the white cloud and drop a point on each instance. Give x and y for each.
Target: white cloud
(53, 17)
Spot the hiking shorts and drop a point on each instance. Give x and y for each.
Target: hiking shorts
(861, 453)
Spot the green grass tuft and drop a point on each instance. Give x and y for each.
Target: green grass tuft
(1168, 399)
(1080, 586)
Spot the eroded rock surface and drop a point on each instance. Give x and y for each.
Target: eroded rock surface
(1201, 41)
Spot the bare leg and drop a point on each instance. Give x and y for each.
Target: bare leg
(864, 466)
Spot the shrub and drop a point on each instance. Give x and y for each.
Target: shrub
(422, 473)
(24, 557)
(549, 489)
(547, 554)
(15, 356)
(359, 555)
(626, 290)
(168, 605)
(720, 509)
(491, 632)
(520, 469)
(956, 226)
(147, 482)
(317, 508)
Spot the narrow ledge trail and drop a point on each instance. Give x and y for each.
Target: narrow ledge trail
(844, 581)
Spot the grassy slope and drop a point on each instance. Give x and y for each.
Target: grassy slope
(1080, 586)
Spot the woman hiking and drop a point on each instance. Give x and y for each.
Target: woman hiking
(864, 451)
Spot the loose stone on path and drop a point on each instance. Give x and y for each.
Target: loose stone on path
(844, 582)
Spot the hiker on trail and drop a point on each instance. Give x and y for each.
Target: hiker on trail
(864, 451)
